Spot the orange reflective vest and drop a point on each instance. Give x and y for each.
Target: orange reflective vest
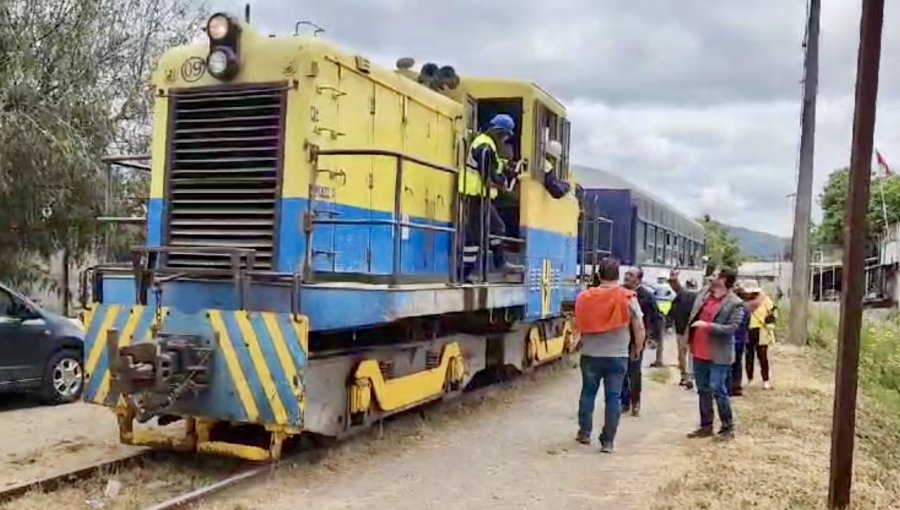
(602, 309)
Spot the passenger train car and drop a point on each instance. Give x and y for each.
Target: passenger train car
(638, 229)
(300, 273)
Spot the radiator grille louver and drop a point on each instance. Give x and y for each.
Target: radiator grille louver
(225, 151)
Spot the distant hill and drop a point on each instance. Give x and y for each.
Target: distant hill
(758, 244)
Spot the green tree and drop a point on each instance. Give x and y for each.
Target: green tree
(722, 248)
(833, 202)
(73, 87)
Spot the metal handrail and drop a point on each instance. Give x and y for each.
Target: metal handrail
(396, 222)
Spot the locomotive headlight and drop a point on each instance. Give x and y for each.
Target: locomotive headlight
(218, 27)
(222, 63)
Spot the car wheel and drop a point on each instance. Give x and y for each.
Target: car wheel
(63, 378)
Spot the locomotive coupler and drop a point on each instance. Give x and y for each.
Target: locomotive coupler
(155, 376)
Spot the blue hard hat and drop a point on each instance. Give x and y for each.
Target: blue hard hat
(502, 122)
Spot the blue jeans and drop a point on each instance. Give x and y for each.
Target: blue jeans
(612, 372)
(712, 381)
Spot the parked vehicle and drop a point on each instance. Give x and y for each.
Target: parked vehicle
(40, 352)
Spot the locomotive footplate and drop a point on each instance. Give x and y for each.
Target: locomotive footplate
(154, 376)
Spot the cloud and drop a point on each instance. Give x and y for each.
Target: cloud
(695, 100)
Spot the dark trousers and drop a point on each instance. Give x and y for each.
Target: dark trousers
(612, 372)
(756, 351)
(737, 368)
(712, 384)
(473, 234)
(631, 386)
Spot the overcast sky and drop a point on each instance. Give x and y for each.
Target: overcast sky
(694, 100)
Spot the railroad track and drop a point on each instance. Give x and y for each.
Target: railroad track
(57, 480)
(233, 479)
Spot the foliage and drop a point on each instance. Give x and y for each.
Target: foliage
(722, 248)
(833, 202)
(73, 87)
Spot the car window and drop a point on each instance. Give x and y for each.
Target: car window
(6, 304)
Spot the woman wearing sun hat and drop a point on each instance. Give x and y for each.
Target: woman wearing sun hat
(761, 333)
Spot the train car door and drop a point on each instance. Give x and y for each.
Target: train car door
(327, 177)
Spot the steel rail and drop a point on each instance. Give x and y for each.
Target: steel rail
(249, 474)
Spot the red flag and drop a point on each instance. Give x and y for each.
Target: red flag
(885, 168)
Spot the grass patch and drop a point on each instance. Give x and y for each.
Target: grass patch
(780, 457)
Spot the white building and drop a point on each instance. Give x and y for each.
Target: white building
(772, 276)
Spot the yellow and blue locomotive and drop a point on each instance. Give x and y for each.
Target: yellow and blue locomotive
(301, 273)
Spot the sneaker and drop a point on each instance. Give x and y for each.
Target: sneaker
(767, 385)
(682, 383)
(689, 385)
(725, 434)
(636, 410)
(606, 447)
(701, 433)
(736, 392)
(583, 438)
(656, 364)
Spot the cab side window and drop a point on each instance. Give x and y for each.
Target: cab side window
(549, 126)
(566, 141)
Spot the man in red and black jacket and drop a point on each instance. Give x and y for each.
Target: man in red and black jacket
(716, 316)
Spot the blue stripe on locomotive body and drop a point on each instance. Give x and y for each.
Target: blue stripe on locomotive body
(155, 214)
(356, 248)
(363, 249)
(328, 306)
(561, 251)
(360, 248)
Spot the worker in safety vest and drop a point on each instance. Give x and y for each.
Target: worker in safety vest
(483, 176)
(556, 187)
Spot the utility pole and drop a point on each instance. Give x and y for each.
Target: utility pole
(846, 376)
(803, 202)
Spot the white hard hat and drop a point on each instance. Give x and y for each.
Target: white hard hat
(554, 149)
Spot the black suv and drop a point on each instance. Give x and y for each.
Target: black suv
(40, 352)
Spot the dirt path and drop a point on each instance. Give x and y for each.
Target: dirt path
(514, 450)
(38, 441)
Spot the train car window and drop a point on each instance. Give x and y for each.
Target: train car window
(641, 241)
(660, 246)
(548, 126)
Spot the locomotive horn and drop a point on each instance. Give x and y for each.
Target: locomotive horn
(428, 75)
(406, 63)
(447, 77)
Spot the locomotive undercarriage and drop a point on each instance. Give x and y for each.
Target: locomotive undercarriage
(351, 380)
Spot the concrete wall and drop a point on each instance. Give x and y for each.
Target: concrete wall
(52, 299)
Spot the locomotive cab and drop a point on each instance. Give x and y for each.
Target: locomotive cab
(539, 119)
